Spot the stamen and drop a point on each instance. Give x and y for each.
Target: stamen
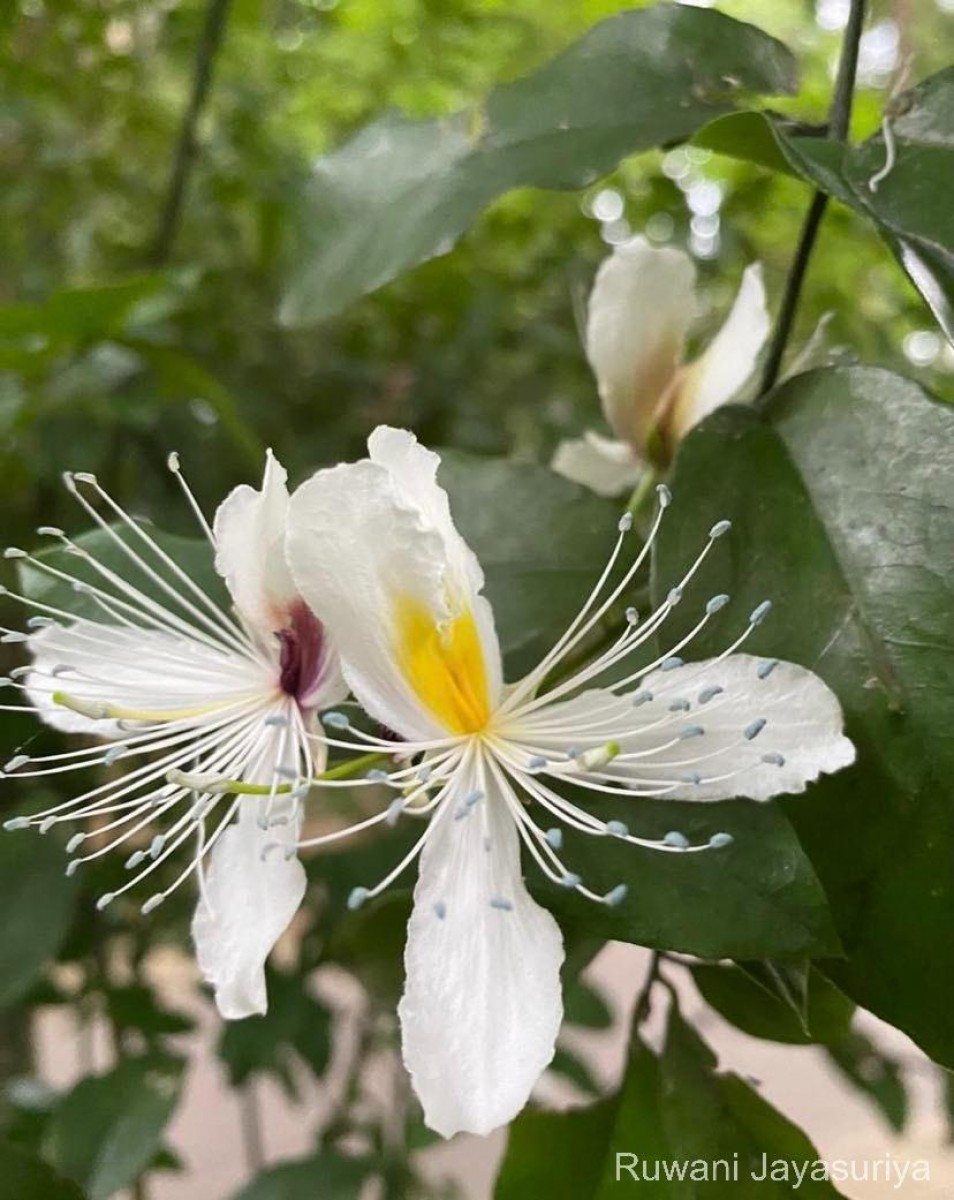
(500, 903)
(719, 840)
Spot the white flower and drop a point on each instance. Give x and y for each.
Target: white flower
(163, 672)
(482, 1003)
(640, 310)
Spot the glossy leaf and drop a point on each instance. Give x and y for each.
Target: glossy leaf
(402, 191)
(841, 506)
(328, 1176)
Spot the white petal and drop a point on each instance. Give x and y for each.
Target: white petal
(249, 532)
(139, 669)
(728, 362)
(605, 466)
(640, 309)
(801, 737)
(364, 538)
(250, 899)
(482, 1003)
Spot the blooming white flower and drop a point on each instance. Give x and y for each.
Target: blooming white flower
(490, 764)
(640, 310)
(162, 671)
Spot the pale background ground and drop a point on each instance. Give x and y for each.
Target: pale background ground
(207, 1128)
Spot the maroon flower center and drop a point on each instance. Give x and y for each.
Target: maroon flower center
(301, 660)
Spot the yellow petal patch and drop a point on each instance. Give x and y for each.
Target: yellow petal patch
(444, 664)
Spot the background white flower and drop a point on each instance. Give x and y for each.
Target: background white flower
(640, 309)
(482, 1003)
(163, 672)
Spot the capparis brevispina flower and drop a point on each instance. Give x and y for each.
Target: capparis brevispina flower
(640, 309)
(162, 671)
(494, 763)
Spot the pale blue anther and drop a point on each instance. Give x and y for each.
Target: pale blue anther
(501, 904)
(554, 838)
(672, 662)
(675, 595)
(17, 823)
(760, 612)
(632, 616)
(708, 693)
(766, 667)
(719, 840)
(617, 829)
(616, 896)
(47, 824)
(39, 622)
(277, 721)
(357, 897)
(754, 728)
(440, 910)
(156, 845)
(376, 775)
(114, 753)
(642, 697)
(680, 704)
(692, 777)
(536, 762)
(395, 808)
(625, 522)
(105, 899)
(133, 861)
(677, 840)
(151, 904)
(424, 773)
(664, 495)
(569, 880)
(336, 720)
(720, 528)
(691, 731)
(717, 602)
(473, 798)
(72, 867)
(15, 763)
(774, 759)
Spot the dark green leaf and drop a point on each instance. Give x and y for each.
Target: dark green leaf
(107, 1130)
(557, 1155)
(542, 543)
(575, 1069)
(757, 898)
(28, 1178)
(328, 1176)
(37, 901)
(295, 1021)
(842, 515)
(402, 191)
(874, 1074)
(764, 1005)
(583, 1005)
(136, 1007)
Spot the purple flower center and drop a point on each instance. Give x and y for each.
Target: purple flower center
(302, 657)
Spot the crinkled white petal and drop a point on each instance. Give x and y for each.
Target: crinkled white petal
(363, 535)
(605, 466)
(249, 531)
(640, 310)
(801, 737)
(250, 899)
(131, 668)
(728, 362)
(482, 1004)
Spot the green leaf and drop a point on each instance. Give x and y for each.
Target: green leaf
(192, 555)
(108, 1129)
(402, 191)
(840, 499)
(575, 1069)
(761, 1003)
(28, 1178)
(37, 901)
(875, 1074)
(673, 1115)
(134, 1006)
(295, 1021)
(328, 1176)
(584, 1005)
(757, 898)
(541, 541)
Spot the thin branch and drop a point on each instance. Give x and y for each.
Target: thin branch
(838, 122)
(187, 146)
